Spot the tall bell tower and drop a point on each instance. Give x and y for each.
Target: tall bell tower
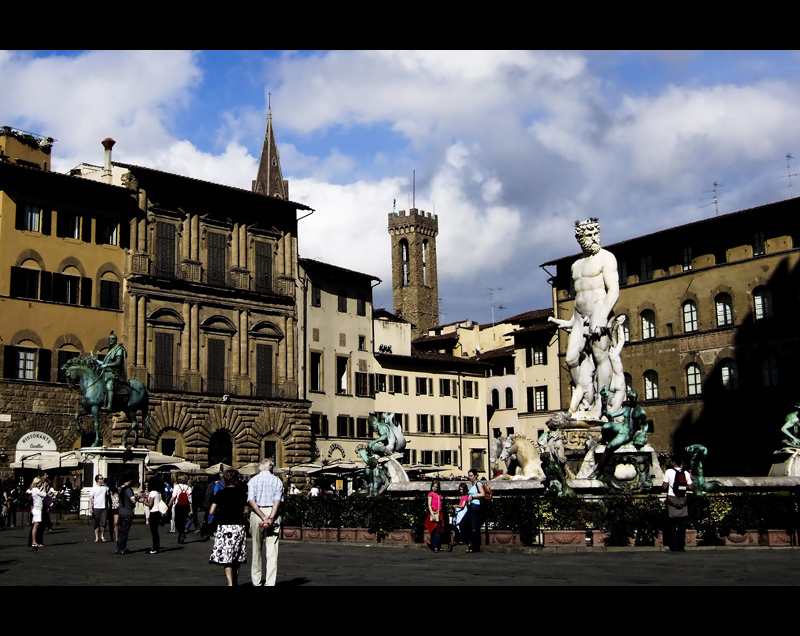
(415, 281)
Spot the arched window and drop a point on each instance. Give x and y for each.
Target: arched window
(495, 399)
(724, 310)
(628, 382)
(730, 375)
(626, 330)
(404, 260)
(648, 324)
(762, 303)
(424, 262)
(509, 398)
(650, 385)
(693, 384)
(689, 316)
(769, 371)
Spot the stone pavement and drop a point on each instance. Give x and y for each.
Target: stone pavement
(72, 558)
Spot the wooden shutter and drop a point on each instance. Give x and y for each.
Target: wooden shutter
(165, 250)
(86, 292)
(47, 217)
(264, 357)
(86, 229)
(263, 266)
(216, 365)
(216, 258)
(165, 362)
(46, 288)
(43, 372)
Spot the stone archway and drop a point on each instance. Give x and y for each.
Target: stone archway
(220, 448)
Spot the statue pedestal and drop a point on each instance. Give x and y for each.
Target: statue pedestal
(110, 462)
(628, 470)
(787, 463)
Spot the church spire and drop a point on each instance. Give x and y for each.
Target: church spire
(270, 178)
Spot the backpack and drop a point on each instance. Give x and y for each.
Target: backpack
(679, 484)
(183, 497)
(487, 492)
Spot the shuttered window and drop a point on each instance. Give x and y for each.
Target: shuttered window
(216, 258)
(165, 250)
(216, 365)
(165, 362)
(264, 358)
(263, 267)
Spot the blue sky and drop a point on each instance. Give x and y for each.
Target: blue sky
(509, 147)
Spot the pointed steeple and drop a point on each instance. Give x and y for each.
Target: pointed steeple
(270, 178)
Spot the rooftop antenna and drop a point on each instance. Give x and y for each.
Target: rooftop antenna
(789, 175)
(714, 198)
(413, 188)
(394, 207)
(500, 306)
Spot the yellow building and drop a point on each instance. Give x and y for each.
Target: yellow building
(62, 259)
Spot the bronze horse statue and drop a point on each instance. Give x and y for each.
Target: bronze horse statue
(85, 375)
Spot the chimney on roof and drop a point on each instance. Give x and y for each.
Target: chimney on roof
(108, 144)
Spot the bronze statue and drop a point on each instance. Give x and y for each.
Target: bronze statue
(791, 428)
(104, 385)
(554, 462)
(390, 440)
(632, 428)
(696, 453)
(115, 372)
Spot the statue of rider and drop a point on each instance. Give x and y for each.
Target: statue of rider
(114, 369)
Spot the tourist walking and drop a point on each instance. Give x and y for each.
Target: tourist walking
(473, 518)
(197, 505)
(157, 507)
(182, 499)
(228, 509)
(127, 503)
(434, 522)
(100, 503)
(264, 495)
(677, 483)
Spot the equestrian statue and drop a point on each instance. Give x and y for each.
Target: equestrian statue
(104, 386)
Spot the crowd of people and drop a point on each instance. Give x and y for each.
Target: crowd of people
(234, 510)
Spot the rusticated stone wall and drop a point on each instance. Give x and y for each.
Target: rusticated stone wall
(49, 407)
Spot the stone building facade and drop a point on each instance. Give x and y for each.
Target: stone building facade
(198, 280)
(415, 279)
(711, 349)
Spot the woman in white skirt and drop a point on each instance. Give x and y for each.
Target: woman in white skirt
(230, 543)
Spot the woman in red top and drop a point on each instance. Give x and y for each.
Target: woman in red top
(434, 522)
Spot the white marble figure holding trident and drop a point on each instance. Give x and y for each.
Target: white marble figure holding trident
(596, 284)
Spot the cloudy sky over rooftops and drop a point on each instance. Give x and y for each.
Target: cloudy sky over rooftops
(509, 147)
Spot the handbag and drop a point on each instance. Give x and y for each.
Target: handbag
(162, 507)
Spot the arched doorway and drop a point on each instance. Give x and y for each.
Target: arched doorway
(220, 448)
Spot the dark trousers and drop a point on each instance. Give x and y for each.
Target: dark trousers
(436, 537)
(124, 529)
(472, 522)
(155, 524)
(181, 515)
(676, 533)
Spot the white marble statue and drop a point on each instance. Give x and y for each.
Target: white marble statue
(589, 349)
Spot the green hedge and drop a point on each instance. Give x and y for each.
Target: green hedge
(623, 516)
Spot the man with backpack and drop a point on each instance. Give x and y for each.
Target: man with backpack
(677, 483)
